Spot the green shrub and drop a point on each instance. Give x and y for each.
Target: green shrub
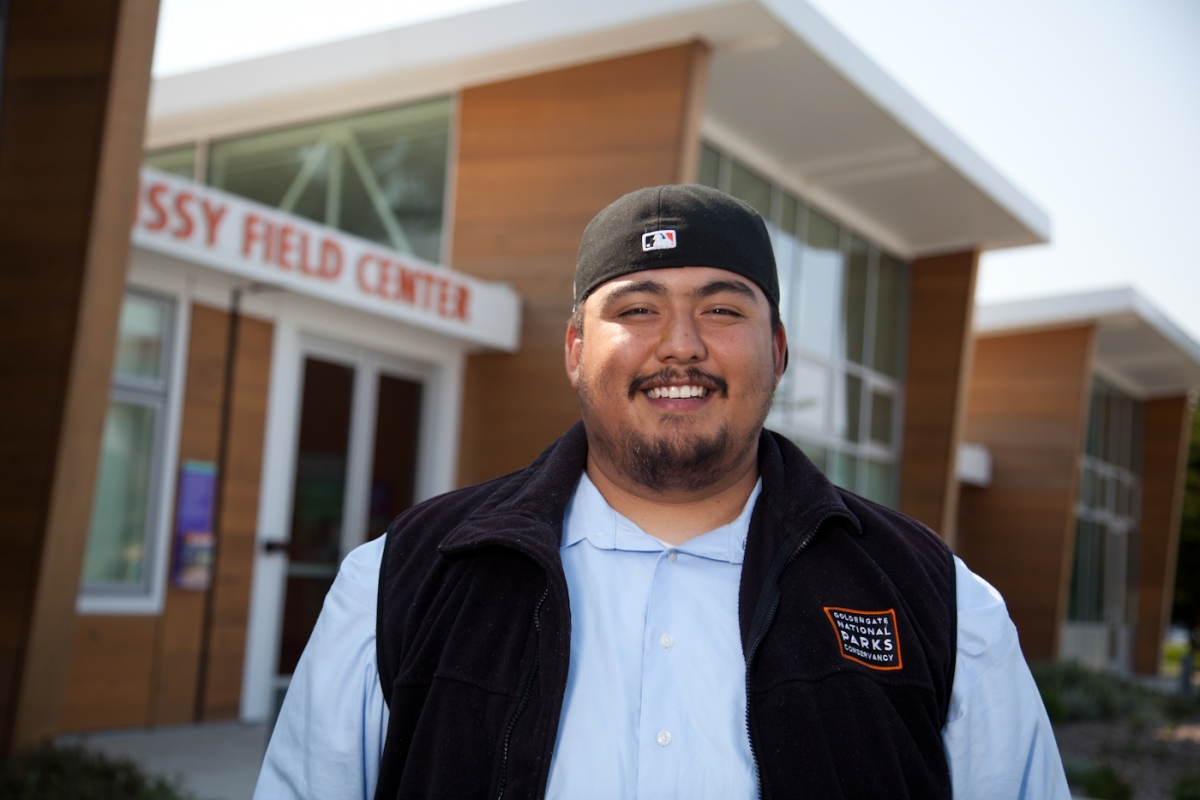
(72, 773)
(1072, 693)
(1187, 788)
(1099, 781)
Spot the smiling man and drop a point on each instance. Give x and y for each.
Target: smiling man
(670, 601)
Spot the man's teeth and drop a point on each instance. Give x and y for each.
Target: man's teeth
(677, 392)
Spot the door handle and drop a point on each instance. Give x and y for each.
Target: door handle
(271, 546)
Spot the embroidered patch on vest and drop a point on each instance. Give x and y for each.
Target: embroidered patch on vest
(867, 637)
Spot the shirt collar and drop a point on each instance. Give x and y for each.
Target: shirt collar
(589, 516)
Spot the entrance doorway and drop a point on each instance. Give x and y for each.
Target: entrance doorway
(356, 462)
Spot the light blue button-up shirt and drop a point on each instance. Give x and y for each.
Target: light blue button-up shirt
(329, 738)
(655, 705)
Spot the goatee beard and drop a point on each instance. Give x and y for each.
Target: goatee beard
(673, 461)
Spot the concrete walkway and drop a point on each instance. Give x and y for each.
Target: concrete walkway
(215, 761)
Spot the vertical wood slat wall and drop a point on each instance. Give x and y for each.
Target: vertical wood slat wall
(538, 157)
(128, 670)
(75, 82)
(939, 359)
(1028, 404)
(1166, 435)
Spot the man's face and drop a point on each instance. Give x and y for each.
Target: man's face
(675, 369)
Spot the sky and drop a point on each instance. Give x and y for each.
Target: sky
(1091, 108)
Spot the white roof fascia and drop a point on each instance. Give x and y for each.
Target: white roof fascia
(1087, 307)
(841, 54)
(440, 42)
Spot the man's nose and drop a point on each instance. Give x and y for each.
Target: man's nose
(681, 341)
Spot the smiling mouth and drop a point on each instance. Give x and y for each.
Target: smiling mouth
(676, 392)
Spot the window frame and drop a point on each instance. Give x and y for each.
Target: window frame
(836, 367)
(163, 394)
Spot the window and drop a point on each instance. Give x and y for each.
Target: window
(122, 542)
(179, 161)
(1104, 576)
(843, 302)
(381, 176)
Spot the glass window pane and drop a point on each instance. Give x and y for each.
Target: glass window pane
(709, 172)
(394, 466)
(889, 313)
(381, 175)
(785, 247)
(746, 185)
(788, 214)
(820, 290)
(179, 161)
(116, 547)
(855, 300)
(140, 338)
(817, 454)
(847, 407)
(881, 483)
(808, 395)
(318, 501)
(843, 471)
(882, 406)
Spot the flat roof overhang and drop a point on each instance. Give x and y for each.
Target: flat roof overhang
(787, 92)
(1137, 346)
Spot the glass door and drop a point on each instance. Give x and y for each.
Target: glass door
(355, 471)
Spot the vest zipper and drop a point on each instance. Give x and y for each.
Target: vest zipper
(512, 723)
(808, 537)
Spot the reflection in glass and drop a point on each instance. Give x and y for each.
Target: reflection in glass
(881, 483)
(140, 336)
(808, 397)
(179, 161)
(116, 547)
(318, 501)
(882, 409)
(789, 214)
(709, 172)
(785, 247)
(816, 454)
(889, 314)
(381, 176)
(847, 406)
(843, 470)
(750, 187)
(855, 311)
(820, 290)
(394, 464)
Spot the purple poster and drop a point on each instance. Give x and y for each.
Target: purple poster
(194, 525)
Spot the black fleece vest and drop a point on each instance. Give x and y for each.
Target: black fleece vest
(848, 623)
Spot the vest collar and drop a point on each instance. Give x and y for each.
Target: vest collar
(527, 514)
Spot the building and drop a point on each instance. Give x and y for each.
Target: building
(321, 321)
(1084, 403)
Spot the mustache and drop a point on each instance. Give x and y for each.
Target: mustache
(693, 375)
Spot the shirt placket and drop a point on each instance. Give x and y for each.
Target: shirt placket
(662, 742)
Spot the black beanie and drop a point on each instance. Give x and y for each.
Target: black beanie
(676, 226)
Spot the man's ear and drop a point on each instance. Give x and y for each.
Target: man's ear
(780, 349)
(574, 352)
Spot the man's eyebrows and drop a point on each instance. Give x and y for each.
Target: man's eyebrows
(716, 287)
(638, 287)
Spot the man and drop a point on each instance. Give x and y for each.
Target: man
(670, 601)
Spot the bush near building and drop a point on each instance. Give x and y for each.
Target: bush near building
(1186, 610)
(72, 773)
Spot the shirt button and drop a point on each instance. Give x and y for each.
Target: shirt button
(663, 738)
(671, 556)
(666, 640)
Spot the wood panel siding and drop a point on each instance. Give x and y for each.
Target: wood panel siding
(1028, 403)
(238, 522)
(538, 157)
(1165, 437)
(939, 353)
(168, 656)
(109, 683)
(75, 81)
